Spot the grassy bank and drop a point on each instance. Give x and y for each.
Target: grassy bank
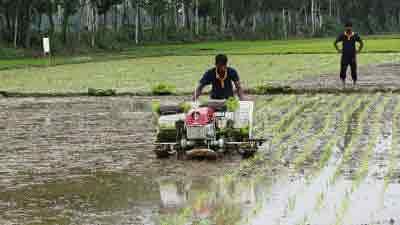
(10, 59)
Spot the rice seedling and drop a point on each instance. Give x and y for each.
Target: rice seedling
(327, 122)
(394, 143)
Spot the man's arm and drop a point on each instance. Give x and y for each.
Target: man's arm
(198, 92)
(205, 80)
(359, 40)
(339, 39)
(239, 90)
(336, 45)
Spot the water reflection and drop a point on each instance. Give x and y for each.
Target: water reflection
(211, 201)
(103, 197)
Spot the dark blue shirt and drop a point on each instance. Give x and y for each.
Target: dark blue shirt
(217, 91)
(349, 44)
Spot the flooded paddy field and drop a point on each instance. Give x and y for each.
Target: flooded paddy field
(328, 159)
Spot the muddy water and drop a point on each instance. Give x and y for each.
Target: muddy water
(90, 161)
(87, 161)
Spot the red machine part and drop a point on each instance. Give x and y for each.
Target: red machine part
(200, 117)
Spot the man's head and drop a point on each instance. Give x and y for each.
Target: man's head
(221, 62)
(348, 27)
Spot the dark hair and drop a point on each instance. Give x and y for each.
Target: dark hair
(221, 59)
(348, 24)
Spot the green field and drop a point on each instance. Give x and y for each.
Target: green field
(139, 75)
(374, 44)
(138, 69)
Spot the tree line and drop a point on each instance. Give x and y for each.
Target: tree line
(108, 23)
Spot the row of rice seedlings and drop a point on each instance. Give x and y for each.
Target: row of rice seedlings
(327, 132)
(365, 158)
(339, 131)
(297, 126)
(279, 136)
(259, 160)
(346, 111)
(328, 123)
(273, 109)
(285, 125)
(273, 129)
(279, 103)
(264, 101)
(393, 153)
(290, 205)
(320, 201)
(306, 126)
(360, 112)
(376, 127)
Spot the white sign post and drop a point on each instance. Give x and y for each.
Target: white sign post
(46, 48)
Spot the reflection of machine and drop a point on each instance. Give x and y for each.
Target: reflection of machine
(173, 194)
(206, 130)
(222, 200)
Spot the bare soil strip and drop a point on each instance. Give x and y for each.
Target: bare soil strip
(374, 77)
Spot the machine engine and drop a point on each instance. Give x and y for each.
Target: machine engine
(200, 124)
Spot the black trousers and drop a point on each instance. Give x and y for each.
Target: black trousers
(345, 63)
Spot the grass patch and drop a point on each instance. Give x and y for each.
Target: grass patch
(232, 104)
(163, 89)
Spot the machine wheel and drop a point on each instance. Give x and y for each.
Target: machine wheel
(248, 154)
(248, 151)
(162, 151)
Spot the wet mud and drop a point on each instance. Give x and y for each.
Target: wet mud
(90, 161)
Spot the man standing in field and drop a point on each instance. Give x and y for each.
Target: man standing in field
(349, 52)
(221, 78)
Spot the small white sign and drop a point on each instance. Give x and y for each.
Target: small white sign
(46, 45)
